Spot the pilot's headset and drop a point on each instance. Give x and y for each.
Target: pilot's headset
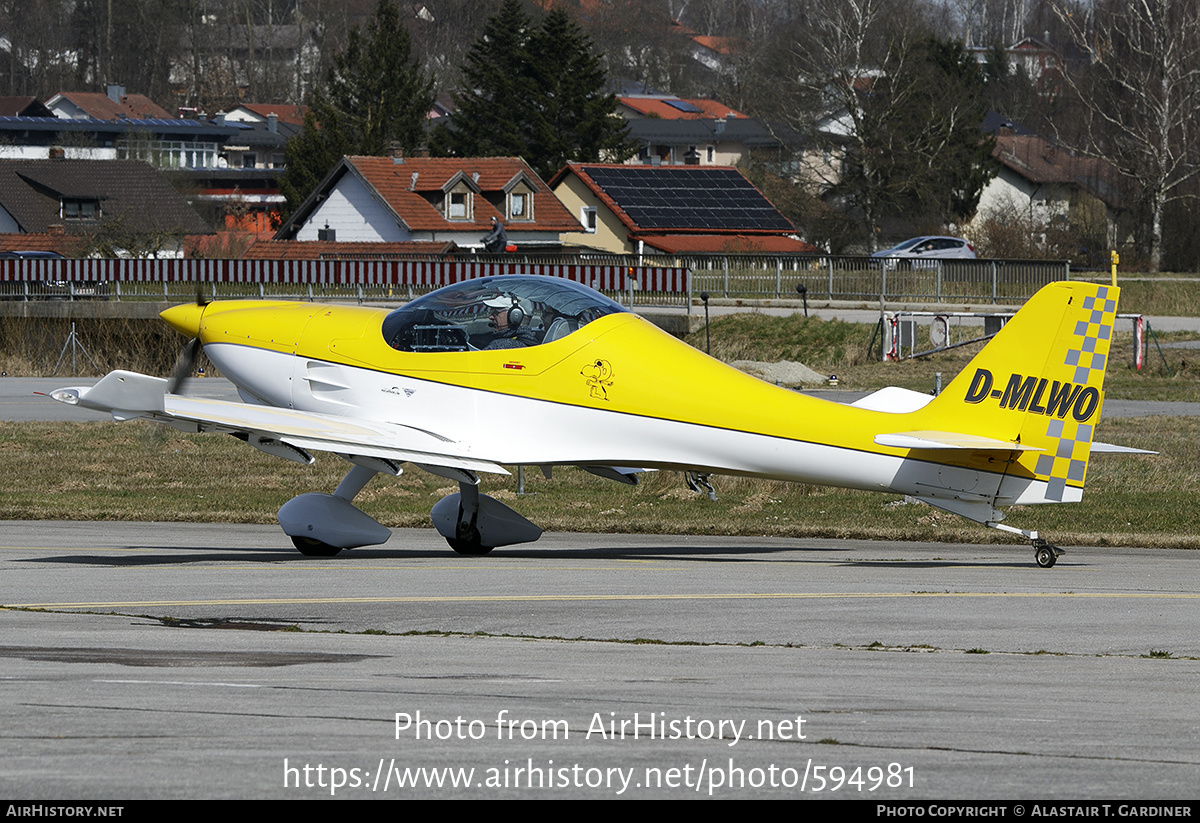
(516, 314)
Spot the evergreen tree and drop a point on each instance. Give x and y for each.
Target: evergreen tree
(573, 119)
(918, 149)
(375, 96)
(949, 159)
(536, 93)
(493, 113)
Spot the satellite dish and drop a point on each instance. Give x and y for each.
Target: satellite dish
(939, 331)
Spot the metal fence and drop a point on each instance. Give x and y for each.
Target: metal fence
(633, 280)
(869, 278)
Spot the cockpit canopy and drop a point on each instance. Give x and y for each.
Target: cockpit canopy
(503, 312)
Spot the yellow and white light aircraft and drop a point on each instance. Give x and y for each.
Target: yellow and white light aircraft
(540, 371)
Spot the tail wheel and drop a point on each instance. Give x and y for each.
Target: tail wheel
(1045, 554)
(314, 548)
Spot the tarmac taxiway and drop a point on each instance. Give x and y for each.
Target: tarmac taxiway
(145, 660)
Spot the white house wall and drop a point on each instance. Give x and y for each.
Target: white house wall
(69, 152)
(357, 216)
(1009, 190)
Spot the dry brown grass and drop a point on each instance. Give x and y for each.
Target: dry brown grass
(30, 347)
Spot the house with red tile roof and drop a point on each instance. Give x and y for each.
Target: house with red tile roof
(670, 107)
(1047, 182)
(696, 131)
(672, 209)
(23, 107)
(113, 105)
(261, 113)
(431, 199)
(714, 52)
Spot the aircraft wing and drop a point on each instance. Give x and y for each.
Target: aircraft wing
(129, 395)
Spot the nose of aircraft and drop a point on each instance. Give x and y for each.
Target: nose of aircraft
(185, 318)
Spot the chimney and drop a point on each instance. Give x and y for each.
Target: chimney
(219, 118)
(273, 123)
(413, 185)
(719, 125)
(115, 92)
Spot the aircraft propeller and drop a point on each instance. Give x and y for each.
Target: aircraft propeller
(185, 362)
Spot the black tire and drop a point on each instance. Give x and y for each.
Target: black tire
(468, 548)
(1045, 557)
(314, 548)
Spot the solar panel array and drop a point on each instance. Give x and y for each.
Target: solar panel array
(683, 105)
(689, 198)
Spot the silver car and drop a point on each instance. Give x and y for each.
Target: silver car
(929, 247)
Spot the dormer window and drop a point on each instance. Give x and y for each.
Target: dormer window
(518, 197)
(458, 197)
(459, 204)
(518, 206)
(80, 208)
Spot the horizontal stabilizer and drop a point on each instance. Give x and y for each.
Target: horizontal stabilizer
(947, 440)
(1112, 448)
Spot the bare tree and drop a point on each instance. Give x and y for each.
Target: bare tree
(888, 115)
(38, 54)
(990, 21)
(1141, 92)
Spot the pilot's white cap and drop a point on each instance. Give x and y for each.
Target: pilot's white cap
(501, 301)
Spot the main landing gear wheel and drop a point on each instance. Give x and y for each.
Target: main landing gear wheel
(314, 548)
(1045, 554)
(470, 548)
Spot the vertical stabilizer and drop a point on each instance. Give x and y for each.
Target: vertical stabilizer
(1040, 385)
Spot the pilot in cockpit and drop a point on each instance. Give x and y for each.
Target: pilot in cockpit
(509, 322)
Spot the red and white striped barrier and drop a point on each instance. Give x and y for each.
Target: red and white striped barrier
(423, 274)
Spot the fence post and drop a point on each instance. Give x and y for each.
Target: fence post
(726, 277)
(995, 280)
(939, 281)
(778, 275)
(829, 266)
